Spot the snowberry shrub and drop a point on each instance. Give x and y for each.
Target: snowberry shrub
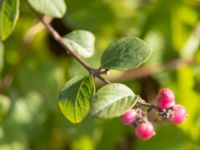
(79, 97)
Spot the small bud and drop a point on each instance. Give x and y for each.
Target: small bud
(178, 115)
(145, 130)
(129, 116)
(166, 98)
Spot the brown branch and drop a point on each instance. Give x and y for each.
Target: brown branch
(59, 39)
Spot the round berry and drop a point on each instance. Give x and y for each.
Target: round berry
(129, 116)
(145, 130)
(178, 115)
(166, 98)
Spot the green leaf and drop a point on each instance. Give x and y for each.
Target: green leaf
(112, 100)
(9, 15)
(81, 41)
(75, 98)
(125, 53)
(1, 56)
(54, 8)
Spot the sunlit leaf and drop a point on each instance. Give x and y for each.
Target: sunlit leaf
(75, 98)
(9, 15)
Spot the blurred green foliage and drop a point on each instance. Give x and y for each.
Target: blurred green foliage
(35, 121)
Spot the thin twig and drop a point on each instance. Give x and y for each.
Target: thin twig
(103, 79)
(142, 102)
(60, 40)
(149, 105)
(68, 49)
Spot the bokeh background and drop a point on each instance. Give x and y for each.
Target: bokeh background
(33, 68)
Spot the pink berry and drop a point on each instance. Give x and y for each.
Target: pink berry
(166, 98)
(129, 116)
(179, 114)
(145, 131)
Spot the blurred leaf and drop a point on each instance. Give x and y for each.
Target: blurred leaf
(25, 109)
(126, 53)
(183, 29)
(9, 15)
(186, 96)
(191, 46)
(49, 7)
(83, 143)
(197, 84)
(112, 100)
(167, 138)
(75, 98)
(81, 41)
(114, 132)
(1, 56)
(13, 137)
(4, 106)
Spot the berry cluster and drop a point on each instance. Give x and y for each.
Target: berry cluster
(166, 102)
(165, 109)
(143, 128)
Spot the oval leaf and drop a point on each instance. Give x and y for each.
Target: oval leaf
(54, 8)
(124, 54)
(81, 42)
(112, 100)
(9, 15)
(75, 98)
